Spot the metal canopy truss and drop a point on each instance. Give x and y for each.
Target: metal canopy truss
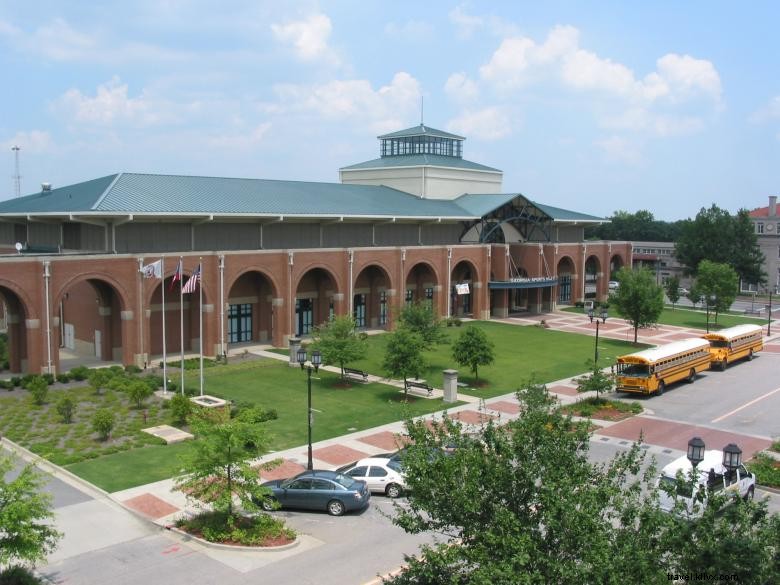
(525, 217)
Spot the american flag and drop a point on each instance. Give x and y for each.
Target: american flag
(176, 275)
(192, 283)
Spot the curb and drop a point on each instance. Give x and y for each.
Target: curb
(186, 537)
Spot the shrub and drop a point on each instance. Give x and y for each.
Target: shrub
(181, 407)
(18, 575)
(103, 422)
(49, 378)
(248, 531)
(767, 470)
(257, 414)
(16, 381)
(133, 369)
(66, 406)
(139, 391)
(6, 384)
(79, 373)
(38, 389)
(63, 378)
(154, 381)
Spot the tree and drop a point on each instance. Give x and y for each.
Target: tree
(524, 505)
(26, 531)
(420, 318)
(103, 422)
(694, 294)
(597, 380)
(717, 236)
(637, 226)
(217, 469)
(99, 378)
(66, 406)
(638, 298)
(139, 391)
(38, 388)
(473, 349)
(718, 283)
(403, 355)
(339, 342)
(672, 287)
(181, 408)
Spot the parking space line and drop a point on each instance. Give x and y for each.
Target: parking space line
(736, 410)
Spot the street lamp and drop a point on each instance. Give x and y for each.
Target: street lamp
(769, 315)
(603, 315)
(710, 302)
(316, 360)
(695, 451)
(732, 457)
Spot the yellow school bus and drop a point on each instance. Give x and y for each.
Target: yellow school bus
(651, 370)
(734, 343)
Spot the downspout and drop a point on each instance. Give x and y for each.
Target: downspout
(222, 305)
(46, 277)
(449, 282)
(291, 293)
(141, 315)
(351, 258)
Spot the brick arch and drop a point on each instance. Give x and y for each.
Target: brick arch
(21, 346)
(375, 311)
(24, 297)
(264, 273)
(461, 305)
(250, 316)
(308, 312)
(425, 263)
(121, 292)
(331, 272)
(149, 291)
(357, 270)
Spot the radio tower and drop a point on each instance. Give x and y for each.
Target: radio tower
(17, 176)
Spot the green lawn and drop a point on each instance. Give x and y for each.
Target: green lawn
(684, 317)
(522, 352)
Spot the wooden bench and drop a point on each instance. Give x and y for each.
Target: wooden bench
(410, 385)
(359, 375)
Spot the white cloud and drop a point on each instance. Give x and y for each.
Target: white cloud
(619, 150)
(33, 142)
(460, 88)
(309, 37)
(686, 76)
(411, 30)
(240, 140)
(467, 24)
(387, 108)
(768, 113)
(639, 119)
(486, 124)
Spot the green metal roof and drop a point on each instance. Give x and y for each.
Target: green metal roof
(418, 160)
(421, 130)
(131, 193)
(559, 214)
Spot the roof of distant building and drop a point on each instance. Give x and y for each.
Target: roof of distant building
(416, 160)
(421, 130)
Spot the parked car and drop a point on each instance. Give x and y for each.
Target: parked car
(613, 285)
(712, 477)
(682, 291)
(382, 475)
(330, 491)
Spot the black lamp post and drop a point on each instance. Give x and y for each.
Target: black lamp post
(603, 315)
(316, 360)
(695, 451)
(732, 457)
(769, 315)
(710, 302)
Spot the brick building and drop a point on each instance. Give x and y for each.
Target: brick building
(420, 223)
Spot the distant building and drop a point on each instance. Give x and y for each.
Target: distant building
(659, 258)
(766, 223)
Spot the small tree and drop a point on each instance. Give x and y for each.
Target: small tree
(26, 530)
(38, 389)
(638, 298)
(181, 408)
(339, 342)
(718, 283)
(420, 318)
(66, 406)
(138, 391)
(473, 349)
(103, 423)
(403, 356)
(672, 287)
(99, 378)
(694, 294)
(216, 469)
(596, 381)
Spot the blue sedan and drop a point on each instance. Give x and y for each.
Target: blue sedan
(331, 491)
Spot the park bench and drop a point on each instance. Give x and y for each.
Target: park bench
(359, 375)
(410, 385)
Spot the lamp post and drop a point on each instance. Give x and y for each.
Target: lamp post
(732, 457)
(710, 302)
(603, 315)
(695, 451)
(769, 315)
(316, 360)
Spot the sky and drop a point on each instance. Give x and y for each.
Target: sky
(594, 106)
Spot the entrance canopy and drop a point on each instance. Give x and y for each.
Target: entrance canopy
(521, 283)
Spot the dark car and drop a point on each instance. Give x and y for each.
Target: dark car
(331, 491)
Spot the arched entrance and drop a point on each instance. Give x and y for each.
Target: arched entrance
(90, 318)
(615, 264)
(421, 284)
(565, 272)
(250, 310)
(462, 293)
(182, 319)
(592, 269)
(314, 300)
(371, 298)
(13, 344)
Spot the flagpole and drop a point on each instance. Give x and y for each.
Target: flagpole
(200, 290)
(165, 354)
(181, 322)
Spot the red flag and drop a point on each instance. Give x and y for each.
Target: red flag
(176, 275)
(192, 283)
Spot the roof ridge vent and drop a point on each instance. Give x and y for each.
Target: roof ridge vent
(45, 187)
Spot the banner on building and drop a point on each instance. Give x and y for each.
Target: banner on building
(462, 288)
